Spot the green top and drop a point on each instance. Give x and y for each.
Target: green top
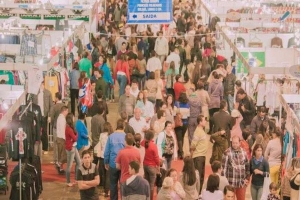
(85, 65)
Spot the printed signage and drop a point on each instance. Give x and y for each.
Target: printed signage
(79, 17)
(54, 17)
(30, 16)
(7, 15)
(150, 12)
(23, 6)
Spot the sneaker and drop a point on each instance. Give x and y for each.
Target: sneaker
(45, 152)
(70, 184)
(61, 172)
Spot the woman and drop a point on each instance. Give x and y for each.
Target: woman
(83, 137)
(183, 110)
(100, 148)
(111, 49)
(94, 52)
(165, 192)
(160, 87)
(122, 73)
(145, 106)
(189, 86)
(170, 74)
(151, 160)
(70, 144)
(294, 169)
(142, 71)
(229, 193)
(152, 86)
(178, 86)
(112, 66)
(81, 80)
(189, 179)
(170, 111)
(167, 145)
(159, 124)
(212, 191)
(236, 120)
(273, 155)
(259, 169)
(215, 91)
(178, 192)
(205, 99)
(74, 86)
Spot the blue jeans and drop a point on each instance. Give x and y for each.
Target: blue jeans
(256, 192)
(110, 91)
(122, 80)
(114, 176)
(230, 102)
(71, 155)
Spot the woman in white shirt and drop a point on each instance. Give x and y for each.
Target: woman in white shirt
(212, 190)
(99, 150)
(145, 106)
(159, 124)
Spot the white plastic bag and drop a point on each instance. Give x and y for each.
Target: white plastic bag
(266, 190)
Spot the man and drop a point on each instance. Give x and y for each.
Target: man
(182, 54)
(237, 86)
(85, 65)
(54, 113)
(45, 101)
(220, 144)
(61, 139)
(199, 147)
(228, 192)
(216, 167)
(139, 123)
(258, 120)
(97, 127)
(174, 57)
(88, 178)
(120, 42)
(195, 111)
(125, 156)
(122, 50)
(127, 127)
(246, 108)
(127, 102)
(114, 144)
(221, 120)
(161, 47)
(236, 168)
(229, 83)
(135, 187)
(134, 89)
(100, 102)
(100, 82)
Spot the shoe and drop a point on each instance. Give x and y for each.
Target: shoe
(45, 152)
(70, 184)
(61, 172)
(57, 168)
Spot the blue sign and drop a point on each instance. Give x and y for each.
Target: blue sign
(23, 6)
(150, 12)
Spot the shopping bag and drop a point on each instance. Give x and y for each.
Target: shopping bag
(266, 190)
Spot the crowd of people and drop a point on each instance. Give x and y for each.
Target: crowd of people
(170, 81)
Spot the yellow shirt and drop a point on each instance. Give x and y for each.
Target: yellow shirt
(200, 142)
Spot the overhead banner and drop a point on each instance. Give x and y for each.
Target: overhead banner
(79, 17)
(30, 16)
(54, 17)
(7, 15)
(254, 59)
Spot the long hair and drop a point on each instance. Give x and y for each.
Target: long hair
(257, 146)
(196, 73)
(189, 173)
(183, 98)
(149, 135)
(143, 99)
(170, 95)
(107, 127)
(172, 66)
(69, 120)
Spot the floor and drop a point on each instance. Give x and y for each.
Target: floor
(55, 188)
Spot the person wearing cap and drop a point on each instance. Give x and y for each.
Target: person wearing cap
(165, 192)
(236, 120)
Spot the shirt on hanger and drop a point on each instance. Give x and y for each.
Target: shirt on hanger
(28, 45)
(51, 84)
(276, 42)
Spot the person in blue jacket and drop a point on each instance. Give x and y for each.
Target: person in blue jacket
(83, 137)
(106, 73)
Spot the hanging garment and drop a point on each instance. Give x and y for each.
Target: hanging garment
(35, 78)
(51, 84)
(276, 42)
(261, 92)
(271, 95)
(10, 39)
(28, 45)
(22, 77)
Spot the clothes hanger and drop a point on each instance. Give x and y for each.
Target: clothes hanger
(255, 39)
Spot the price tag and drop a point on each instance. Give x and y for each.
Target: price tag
(31, 44)
(51, 83)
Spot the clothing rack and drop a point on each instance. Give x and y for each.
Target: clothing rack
(49, 65)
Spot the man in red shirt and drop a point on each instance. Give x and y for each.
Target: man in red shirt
(178, 86)
(125, 156)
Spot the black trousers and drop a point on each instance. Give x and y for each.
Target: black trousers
(74, 95)
(180, 133)
(44, 136)
(199, 163)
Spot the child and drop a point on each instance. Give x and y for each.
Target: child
(160, 177)
(273, 192)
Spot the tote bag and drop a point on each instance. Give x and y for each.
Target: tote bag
(266, 190)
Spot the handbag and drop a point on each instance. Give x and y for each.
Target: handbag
(178, 118)
(266, 190)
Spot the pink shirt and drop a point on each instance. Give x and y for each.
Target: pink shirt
(236, 129)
